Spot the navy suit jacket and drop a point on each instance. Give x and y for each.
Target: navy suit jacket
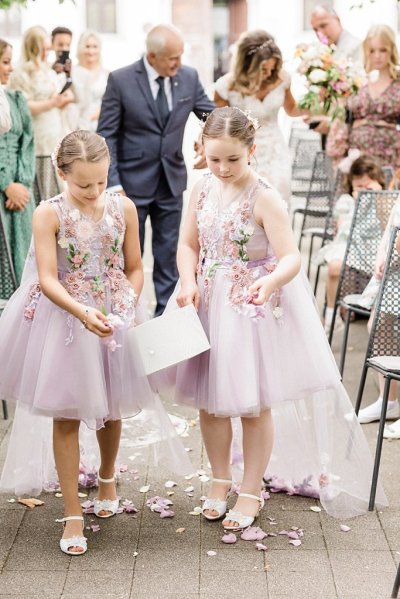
(138, 144)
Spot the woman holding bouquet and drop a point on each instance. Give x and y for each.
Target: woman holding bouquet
(375, 109)
(258, 84)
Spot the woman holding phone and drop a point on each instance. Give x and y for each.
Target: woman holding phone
(37, 80)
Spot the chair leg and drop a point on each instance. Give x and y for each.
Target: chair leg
(335, 309)
(361, 387)
(310, 256)
(379, 442)
(317, 279)
(396, 585)
(5, 409)
(344, 342)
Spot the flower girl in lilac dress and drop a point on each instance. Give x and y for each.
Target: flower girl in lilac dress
(269, 364)
(67, 350)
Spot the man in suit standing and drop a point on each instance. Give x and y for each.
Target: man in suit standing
(143, 116)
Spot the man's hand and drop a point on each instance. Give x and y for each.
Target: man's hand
(200, 157)
(324, 123)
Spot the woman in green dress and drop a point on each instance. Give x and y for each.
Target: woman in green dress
(17, 171)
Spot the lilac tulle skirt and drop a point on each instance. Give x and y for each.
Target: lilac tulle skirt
(56, 369)
(281, 360)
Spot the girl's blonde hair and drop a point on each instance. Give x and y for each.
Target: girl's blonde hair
(33, 43)
(3, 46)
(86, 35)
(254, 48)
(230, 122)
(388, 38)
(80, 145)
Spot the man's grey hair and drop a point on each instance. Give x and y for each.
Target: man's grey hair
(324, 7)
(156, 39)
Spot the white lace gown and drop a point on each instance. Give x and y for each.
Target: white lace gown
(272, 157)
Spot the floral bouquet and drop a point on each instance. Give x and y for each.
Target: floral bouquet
(329, 78)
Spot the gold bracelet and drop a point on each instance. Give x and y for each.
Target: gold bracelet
(84, 321)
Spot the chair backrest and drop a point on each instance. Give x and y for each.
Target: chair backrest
(384, 339)
(305, 151)
(301, 131)
(371, 215)
(8, 280)
(319, 193)
(46, 184)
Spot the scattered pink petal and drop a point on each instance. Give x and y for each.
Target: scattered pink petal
(167, 514)
(272, 534)
(144, 489)
(95, 527)
(203, 497)
(180, 530)
(293, 535)
(229, 538)
(295, 542)
(189, 489)
(315, 508)
(87, 504)
(128, 507)
(253, 533)
(123, 468)
(211, 553)
(283, 532)
(201, 472)
(345, 528)
(265, 495)
(261, 547)
(170, 483)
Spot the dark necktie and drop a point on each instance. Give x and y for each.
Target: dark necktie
(162, 102)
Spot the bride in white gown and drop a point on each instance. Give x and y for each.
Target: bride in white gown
(258, 84)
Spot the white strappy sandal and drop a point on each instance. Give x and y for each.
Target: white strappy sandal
(217, 505)
(242, 520)
(105, 505)
(75, 541)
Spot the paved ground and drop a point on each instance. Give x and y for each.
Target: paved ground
(144, 557)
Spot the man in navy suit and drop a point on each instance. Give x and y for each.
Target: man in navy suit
(143, 116)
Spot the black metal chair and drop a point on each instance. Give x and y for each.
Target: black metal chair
(318, 198)
(46, 184)
(8, 280)
(371, 214)
(383, 350)
(327, 231)
(302, 166)
(396, 585)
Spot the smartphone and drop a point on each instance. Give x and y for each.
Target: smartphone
(66, 85)
(63, 56)
(313, 125)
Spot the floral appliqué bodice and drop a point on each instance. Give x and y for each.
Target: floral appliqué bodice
(90, 259)
(230, 239)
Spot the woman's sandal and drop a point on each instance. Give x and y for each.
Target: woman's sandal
(76, 541)
(216, 505)
(242, 520)
(105, 505)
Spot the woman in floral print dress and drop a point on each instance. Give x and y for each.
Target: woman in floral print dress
(239, 264)
(376, 108)
(67, 350)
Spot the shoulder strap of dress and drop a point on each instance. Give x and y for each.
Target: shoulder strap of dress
(204, 190)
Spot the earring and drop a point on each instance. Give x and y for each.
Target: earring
(248, 162)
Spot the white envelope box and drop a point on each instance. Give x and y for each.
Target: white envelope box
(174, 336)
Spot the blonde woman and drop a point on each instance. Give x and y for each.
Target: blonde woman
(90, 79)
(258, 84)
(376, 108)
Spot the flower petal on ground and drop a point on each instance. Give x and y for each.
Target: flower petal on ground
(295, 542)
(253, 533)
(345, 528)
(211, 553)
(261, 547)
(315, 508)
(144, 489)
(30, 502)
(229, 538)
(170, 483)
